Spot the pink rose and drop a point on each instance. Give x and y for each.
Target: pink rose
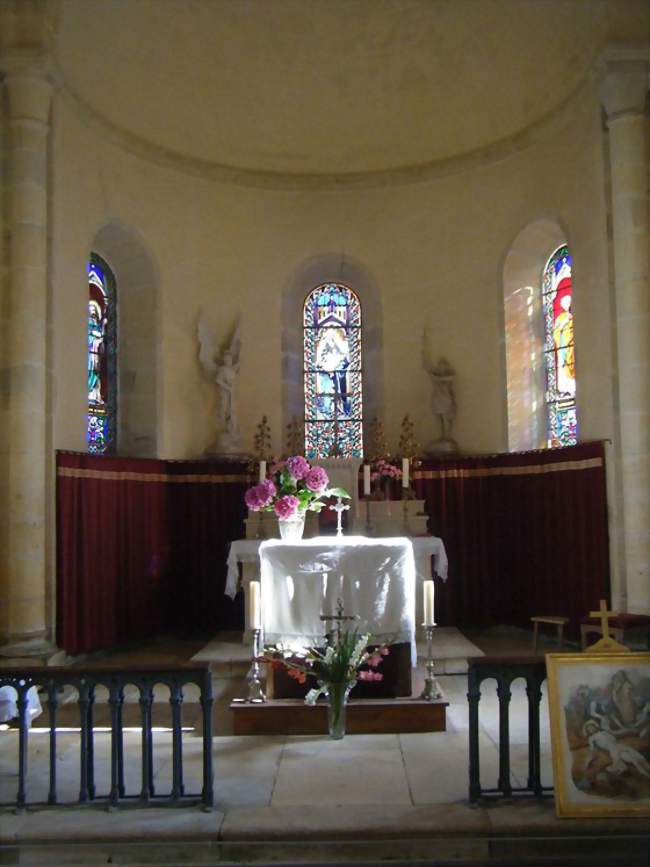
(266, 491)
(298, 467)
(286, 507)
(252, 500)
(370, 675)
(317, 479)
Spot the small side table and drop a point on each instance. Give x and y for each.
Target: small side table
(558, 622)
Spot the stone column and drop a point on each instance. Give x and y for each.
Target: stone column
(624, 98)
(28, 96)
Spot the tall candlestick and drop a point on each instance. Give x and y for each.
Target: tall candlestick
(262, 470)
(428, 603)
(366, 480)
(254, 606)
(405, 472)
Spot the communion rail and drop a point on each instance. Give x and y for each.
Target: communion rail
(505, 670)
(51, 684)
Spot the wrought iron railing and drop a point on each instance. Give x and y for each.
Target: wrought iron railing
(52, 683)
(505, 670)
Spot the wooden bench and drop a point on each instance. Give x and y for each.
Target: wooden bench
(558, 622)
(618, 625)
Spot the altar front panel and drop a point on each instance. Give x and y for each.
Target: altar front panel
(375, 579)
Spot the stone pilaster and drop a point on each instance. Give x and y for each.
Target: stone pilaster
(28, 97)
(624, 94)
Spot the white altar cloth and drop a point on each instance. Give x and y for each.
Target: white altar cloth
(424, 548)
(375, 578)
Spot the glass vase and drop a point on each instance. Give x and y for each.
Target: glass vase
(337, 702)
(291, 529)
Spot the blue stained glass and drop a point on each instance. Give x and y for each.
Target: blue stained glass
(332, 364)
(102, 374)
(559, 347)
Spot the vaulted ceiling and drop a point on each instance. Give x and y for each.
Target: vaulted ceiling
(326, 86)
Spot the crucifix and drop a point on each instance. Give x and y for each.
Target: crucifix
(339, 508)
(338, 618)
(606, 643)
(604, 616)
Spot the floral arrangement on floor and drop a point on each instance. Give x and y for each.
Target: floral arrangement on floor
(339, 664)
(292, 487)
(383, 471)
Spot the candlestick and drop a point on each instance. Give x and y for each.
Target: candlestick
(405, 472)
(255, 692)
(428, 603)
(262, 470)
(254, 606)
(366, 480)
(431, 691)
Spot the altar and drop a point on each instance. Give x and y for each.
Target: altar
(429, 555)
(301, 581)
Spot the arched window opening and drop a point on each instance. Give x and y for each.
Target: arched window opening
(559, 349)
(102, 358)
(332, 373)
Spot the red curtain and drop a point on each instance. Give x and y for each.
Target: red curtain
(142, 546)
(526, 534)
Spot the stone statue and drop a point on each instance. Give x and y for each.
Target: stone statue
(224, 374)
(443, 401)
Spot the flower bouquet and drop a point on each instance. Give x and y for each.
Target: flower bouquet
(382, 473)
(336, 669)
(292, 488)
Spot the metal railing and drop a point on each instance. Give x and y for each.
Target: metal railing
(505, 670)
(52, 682)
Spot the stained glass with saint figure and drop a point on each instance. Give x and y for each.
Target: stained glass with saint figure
(559, 349)
(102, 346)
(333, 373)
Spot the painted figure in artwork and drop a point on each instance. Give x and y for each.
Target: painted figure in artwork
(96, 328)
(564, 347)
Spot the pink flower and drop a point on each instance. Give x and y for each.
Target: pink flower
(384, 650)
(375, 660)
(276, 466)
(317, 479)
(370, 675)
(259, 496)
(298, 467)
(286, 507)
(267, 491)
(252, 499)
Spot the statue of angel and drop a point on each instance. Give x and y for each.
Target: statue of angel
(443, 399)
(224, 374)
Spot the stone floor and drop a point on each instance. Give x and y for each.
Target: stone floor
(273, 792)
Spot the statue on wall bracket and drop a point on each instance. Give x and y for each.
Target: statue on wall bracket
(222, 368)
(443, 401)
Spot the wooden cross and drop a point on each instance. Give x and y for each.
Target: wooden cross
(339, 617)
(339, 508)
(604, 616)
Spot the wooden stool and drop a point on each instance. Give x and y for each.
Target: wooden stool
(617, 626)
(554, 621)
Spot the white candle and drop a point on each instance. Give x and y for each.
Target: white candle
(254, 605)
(405, 472)
(428, 603)
(366, 480)
(262, 470)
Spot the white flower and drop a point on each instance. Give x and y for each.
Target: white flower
(312, 695)
(358, 651)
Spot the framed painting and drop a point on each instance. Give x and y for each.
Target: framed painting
(599, 708)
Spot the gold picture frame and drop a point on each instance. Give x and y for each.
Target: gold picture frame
(599, 707)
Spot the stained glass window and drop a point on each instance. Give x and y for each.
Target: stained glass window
(332, 370)
(559, 350)
(102, 345)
